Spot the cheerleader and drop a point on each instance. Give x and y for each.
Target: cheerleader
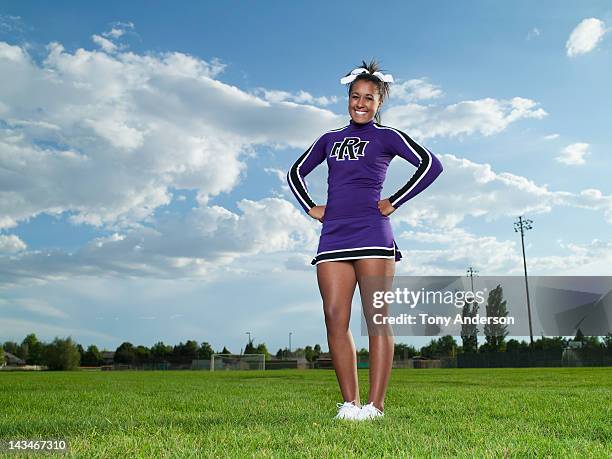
(356, 242)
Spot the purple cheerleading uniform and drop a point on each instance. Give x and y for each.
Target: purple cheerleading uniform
(357, 158)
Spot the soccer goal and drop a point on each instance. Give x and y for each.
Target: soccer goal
(237, 362)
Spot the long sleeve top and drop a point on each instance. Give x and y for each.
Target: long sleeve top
(358, 156)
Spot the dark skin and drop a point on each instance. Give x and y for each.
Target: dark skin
(337, 281)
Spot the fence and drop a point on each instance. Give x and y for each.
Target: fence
(552, 358)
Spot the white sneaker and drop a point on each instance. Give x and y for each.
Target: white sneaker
(369, 411)
(347, 410)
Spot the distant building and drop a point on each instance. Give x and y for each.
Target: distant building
(12, 360)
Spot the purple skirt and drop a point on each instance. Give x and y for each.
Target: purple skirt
(356, 237)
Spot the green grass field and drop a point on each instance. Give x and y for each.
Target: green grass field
(555, 412)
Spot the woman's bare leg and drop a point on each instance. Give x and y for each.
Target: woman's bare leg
(337, 283)
(380, 337)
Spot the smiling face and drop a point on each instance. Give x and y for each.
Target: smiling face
(364, 101)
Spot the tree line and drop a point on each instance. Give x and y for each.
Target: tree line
(66, 354)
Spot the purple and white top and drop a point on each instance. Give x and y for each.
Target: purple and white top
(357, 158)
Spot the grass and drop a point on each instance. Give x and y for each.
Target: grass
(536, 412)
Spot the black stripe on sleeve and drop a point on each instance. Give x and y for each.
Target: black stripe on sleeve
(424, 164)
(296, 181)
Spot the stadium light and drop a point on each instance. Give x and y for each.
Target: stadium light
(520, 226)
(470, 273)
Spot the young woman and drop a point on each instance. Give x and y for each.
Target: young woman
(356, 239)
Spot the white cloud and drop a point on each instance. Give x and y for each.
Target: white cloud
(484, 116)
(585, 37)
(104, 43)
(12, 25)
(11, 244)
(301, 97)
(19, 328)
(490, 195)
(533, 33)
(573, 155)
(592, 259)
(551, 136)
(203, 245)
(415, 89)
(108, 40)
(281, 177)
(127, 128)
(457, 249)
(119, 130)
(31, 306)
(299, 262)
(119, 29)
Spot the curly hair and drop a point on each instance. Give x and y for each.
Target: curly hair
(382, 86)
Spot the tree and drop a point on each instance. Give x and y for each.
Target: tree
(205, 351)
(579, 336)
(469, 332)
(495, 334)
(249, 348)
(514, 346)
(312, 354)
(125, 354)
(32, 350)
(592, 342)
(442, 347)
(447, 346)
(12, 347)
(225, 350)
(262, 349)
(403, 351)
(62, 354)
(363, 353)
(607, 341)
(191, 349)
(185, 353)
(142, 355)
(92, 357)
(160, 352)
(430, 350)
(550, 344)
(81, 351)
(1, 356)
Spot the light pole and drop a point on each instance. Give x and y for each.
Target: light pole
(471, 311)
(520, 226)
(248, 333)
(470, 272)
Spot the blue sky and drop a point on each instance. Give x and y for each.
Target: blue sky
(143, 151)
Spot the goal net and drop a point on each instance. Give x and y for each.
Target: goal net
(237, 362)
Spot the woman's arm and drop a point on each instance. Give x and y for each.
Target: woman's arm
(427, 164)
(311, 158)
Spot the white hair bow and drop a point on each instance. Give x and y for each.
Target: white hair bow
(347, 79)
